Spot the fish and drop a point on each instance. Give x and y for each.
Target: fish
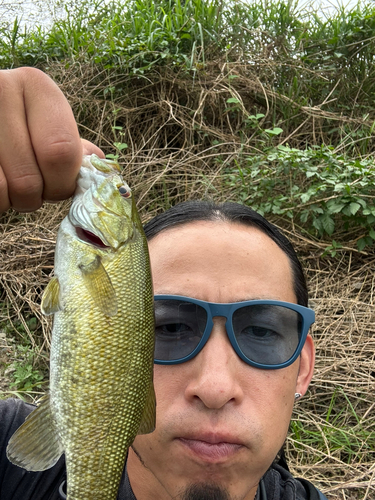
(101, 392)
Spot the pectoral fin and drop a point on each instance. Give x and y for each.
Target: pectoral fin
(99, 285)
(36, 445)
(51, 300)
(149, 413)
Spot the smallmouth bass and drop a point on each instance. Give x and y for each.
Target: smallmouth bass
(101, 364)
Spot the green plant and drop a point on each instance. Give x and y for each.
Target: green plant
(326, 194)
(340, 432)
(135, 33)
(26, 378)
(25, 371)
(26, 368)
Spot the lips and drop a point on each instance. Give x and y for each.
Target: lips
(211, 447)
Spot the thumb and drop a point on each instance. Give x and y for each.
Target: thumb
(89, 148)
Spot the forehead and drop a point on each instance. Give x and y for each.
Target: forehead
(220, 262)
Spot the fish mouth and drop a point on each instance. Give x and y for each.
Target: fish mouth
(90, 238)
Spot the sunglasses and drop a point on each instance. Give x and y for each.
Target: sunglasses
(267, 334)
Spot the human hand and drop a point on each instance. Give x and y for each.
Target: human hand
(40, 148)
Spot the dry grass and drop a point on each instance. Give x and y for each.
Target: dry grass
(170, 125)
(340, 405)
(171, 110)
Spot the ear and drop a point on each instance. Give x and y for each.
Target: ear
(306, 367)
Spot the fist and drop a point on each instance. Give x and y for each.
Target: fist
(40, 148)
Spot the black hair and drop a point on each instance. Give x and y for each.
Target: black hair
(191, 211)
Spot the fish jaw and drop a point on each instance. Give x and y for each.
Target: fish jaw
(103, 205)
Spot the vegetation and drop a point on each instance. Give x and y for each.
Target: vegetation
(262, 103)
(322, 192)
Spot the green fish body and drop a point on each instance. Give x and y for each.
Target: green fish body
(101, 392)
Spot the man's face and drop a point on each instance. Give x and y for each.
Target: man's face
(219, 421)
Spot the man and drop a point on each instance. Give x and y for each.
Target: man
(226, 376)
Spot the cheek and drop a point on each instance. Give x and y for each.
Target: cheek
(281, 392)
(169, 384)
(271, 399)
(169, 391)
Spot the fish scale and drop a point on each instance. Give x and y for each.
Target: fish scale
(101, 363)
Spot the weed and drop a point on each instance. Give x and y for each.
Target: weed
(326, 194)
(25, 367)
(25, 377)
(341, 432)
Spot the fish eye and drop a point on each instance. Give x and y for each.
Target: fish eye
(124, 192)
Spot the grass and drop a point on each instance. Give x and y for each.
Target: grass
(313, 73)
(341, 432)
(23, 367)
(138, 33)
(262, 103)
(332, 435)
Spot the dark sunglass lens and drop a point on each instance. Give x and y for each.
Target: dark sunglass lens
(267, 334)
(179, 326)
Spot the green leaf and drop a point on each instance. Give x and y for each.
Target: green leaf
(361, 243)
(317, 223)
(304, 216)
(316, 209)
(372, 233)
(362, 202)
(274, 131)
(305, 197)
(335, 207)
(354, 207)
(233, 99)
(120, 145)
(328, 224)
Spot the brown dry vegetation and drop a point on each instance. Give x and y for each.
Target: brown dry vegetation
(169, 122)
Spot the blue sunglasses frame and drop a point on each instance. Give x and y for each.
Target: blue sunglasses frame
(226, 310)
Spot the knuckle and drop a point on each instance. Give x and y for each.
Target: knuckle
(28, 74)
(12, 80)
(28, 184)
(24, 191)
(62, 150)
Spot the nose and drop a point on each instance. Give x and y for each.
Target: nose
(215, 380)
